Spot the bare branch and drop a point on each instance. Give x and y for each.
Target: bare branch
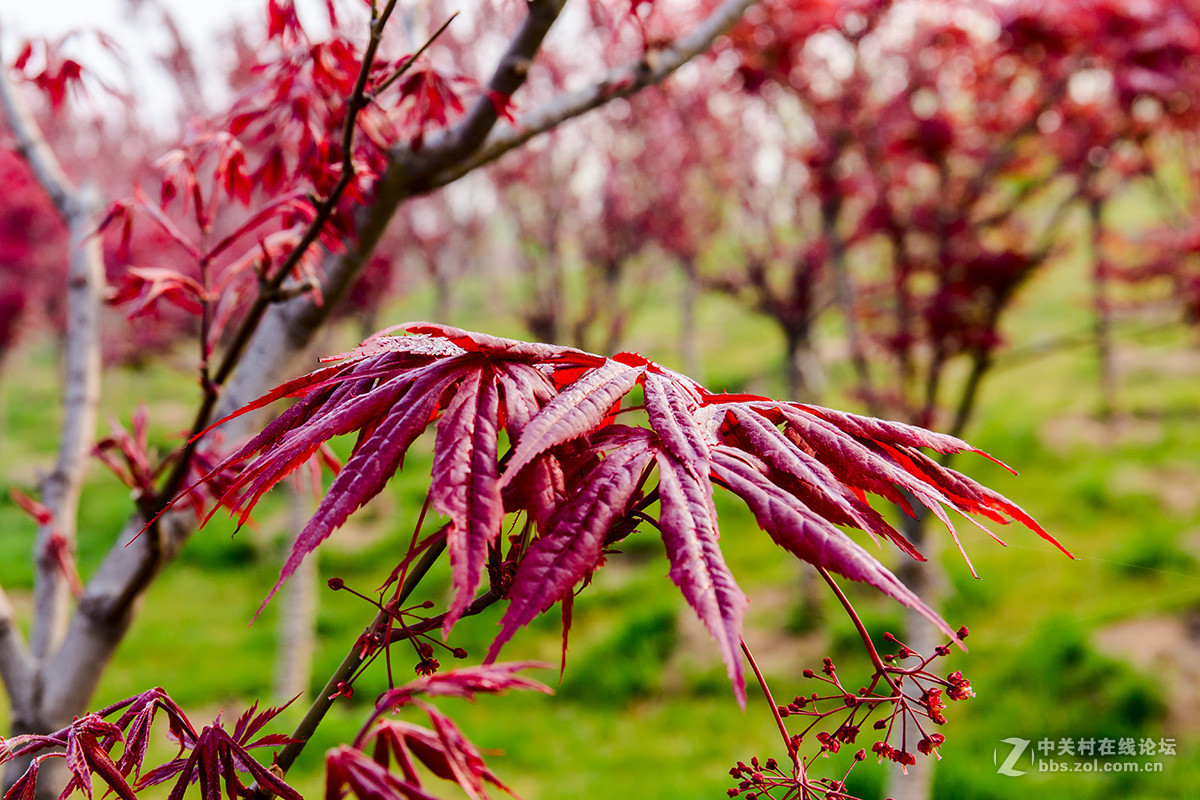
(81, 399)
(104, 613)
(60, 490)
(622, 82)
(16, 666)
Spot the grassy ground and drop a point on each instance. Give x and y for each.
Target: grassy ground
(643, 707)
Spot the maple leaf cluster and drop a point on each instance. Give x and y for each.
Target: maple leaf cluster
(214, 757)
(580, 468)
(442, 749)
(300, 149)
(112, 745)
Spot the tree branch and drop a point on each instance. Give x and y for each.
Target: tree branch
(16, 666)
(60, 490)
(353, 660)
(466, 137)
(289, 327)
(103, 616)
(620, 83)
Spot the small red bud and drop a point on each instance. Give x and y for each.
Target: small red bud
(336, 583)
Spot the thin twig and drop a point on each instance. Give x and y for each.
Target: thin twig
(876, 660)
(342, 675)
(270, 290)
(762, 682)
(386, 83)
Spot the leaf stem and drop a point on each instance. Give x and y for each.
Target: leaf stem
(876, 660)
(324, 701)
(762, 682)
(410, 60)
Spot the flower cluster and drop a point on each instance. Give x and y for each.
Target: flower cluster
(898, 698)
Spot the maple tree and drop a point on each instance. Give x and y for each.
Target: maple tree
(274, 209)
(269, 211)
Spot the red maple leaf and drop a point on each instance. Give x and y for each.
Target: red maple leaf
(586, 480)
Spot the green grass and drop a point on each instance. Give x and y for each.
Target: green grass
(644, 707)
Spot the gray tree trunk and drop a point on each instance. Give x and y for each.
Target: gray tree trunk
(296, 632)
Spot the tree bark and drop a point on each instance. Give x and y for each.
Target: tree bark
(805, 377)
(1101, 310)
(24, 669)
(296, 637)
(689, 335)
